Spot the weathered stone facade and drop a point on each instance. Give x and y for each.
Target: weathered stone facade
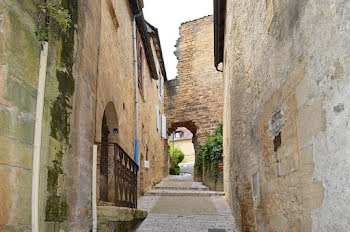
(194, 98)
(89, 71)
(286, 116)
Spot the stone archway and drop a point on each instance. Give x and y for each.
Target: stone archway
(191, 126)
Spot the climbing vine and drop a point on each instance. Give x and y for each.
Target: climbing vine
(210, 153)
(53, 19)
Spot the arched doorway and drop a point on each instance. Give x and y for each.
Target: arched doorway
(109, 134)
(191, 126)
(104, 160)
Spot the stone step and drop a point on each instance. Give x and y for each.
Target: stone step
(174, 178)
(161, 192)
(181, 186)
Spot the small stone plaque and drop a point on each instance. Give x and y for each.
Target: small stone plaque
(216, 230)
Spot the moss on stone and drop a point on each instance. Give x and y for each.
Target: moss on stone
(52, 180)
(56, 209)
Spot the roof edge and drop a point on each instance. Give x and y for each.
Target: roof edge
(219, 29)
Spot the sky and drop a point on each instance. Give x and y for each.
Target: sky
(167, 16)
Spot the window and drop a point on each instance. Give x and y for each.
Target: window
(113, 15)
(158, 118)
(140, 67)
(161, 89)
(163, 126)
(277, 142)
(255, 184)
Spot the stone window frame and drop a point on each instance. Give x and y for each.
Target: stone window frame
(140, 58)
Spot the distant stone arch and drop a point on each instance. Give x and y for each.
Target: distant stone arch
(191, 126)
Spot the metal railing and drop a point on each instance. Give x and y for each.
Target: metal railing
(125, 175)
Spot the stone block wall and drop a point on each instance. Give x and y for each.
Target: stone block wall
(286, 133)
(194, 98)
(87, 68)
(116, 84)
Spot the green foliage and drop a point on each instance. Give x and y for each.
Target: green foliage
(53, 19)
(210, 153)
(177, 156)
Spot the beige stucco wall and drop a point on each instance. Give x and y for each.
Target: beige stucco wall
(187, 148)
(293, 58)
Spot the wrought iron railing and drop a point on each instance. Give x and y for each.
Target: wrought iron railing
(125, 175)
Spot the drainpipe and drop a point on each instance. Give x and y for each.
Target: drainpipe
(37, 137)
(136, 88)
(94, 196)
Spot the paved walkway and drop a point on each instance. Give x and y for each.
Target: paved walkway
(179, 204)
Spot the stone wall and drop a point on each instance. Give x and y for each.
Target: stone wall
(286, 120)
(116, 84)
(194, 98)
(87, 69)
(20, 52)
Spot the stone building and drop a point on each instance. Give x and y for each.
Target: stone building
(89, 98)
(286, 112)
(194, 98)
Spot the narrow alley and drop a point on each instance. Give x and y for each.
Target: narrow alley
(180, 204)
(174, 115)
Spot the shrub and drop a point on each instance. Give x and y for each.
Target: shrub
(177, 156)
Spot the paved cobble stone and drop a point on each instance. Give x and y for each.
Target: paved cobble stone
(185, 213)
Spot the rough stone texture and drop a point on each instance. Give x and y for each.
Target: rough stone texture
(107, 214)
(194, 99)
(290, 57)
(19, 65)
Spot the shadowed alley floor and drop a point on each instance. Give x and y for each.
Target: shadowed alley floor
(180, 204)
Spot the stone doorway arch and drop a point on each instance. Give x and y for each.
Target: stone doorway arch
(191, 126)
(109, 134)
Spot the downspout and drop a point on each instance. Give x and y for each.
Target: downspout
(94, 188)
(136, 88)
(37, 137)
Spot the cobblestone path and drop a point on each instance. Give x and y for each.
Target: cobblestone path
(178, 204)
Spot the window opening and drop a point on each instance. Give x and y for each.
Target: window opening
(277, 142)
(255, 184)
(140, 68)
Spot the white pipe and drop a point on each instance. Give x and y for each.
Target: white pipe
(94, 181)
(37, 137)
(136, 88)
